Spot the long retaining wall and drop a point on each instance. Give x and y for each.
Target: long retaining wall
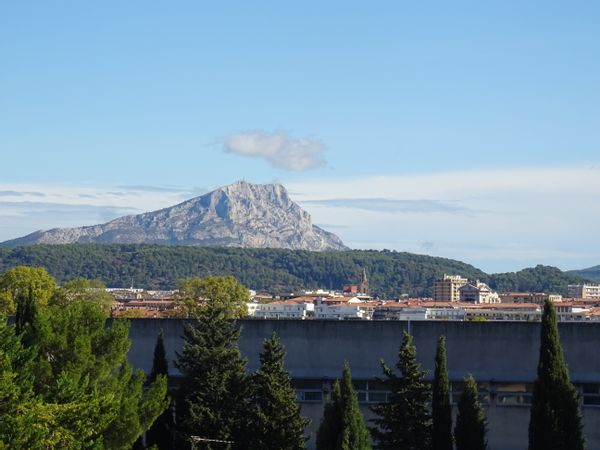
(493, 352)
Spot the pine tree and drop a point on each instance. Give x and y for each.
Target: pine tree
(441, 411)
(470, 426)
(404, 421)
(161, 432)
(212, 401)
(277, 423)
(343, 426)
(556, 421)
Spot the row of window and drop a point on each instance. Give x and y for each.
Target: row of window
(503, 394)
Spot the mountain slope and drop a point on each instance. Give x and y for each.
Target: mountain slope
(238, 215)
(276, 270)
(591, 273)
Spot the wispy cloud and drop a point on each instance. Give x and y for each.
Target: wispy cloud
(20, 194)
(387, 205)
(497, 219)
(278, 148)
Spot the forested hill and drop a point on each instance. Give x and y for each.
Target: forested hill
(592, 273)
(159, 267)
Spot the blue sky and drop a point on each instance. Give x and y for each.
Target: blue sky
(119, 107)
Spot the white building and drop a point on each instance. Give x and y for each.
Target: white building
(340, 312)
(280, 310)
(477, 293)
(590, 290)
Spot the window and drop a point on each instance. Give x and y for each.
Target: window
(591, 395)
(513, 394)
(308, 390)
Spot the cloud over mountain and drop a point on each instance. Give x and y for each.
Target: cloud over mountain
(278, 148)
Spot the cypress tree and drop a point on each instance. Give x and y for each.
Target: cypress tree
(470, 426)
(212, 401)
(277, 423)
(343, 426)
(355, 434)
(404, 421)
(331, 423)
(441, 411)
(161, 432)
(555, 421)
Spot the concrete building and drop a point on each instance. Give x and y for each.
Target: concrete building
(501, 356)
(446, 289)
(590, 290)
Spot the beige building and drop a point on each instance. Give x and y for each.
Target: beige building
(584, 290)
(446, 289)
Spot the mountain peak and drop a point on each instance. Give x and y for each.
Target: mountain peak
(240, 214)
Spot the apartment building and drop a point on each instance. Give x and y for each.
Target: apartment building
(591, 290)
(446, 289)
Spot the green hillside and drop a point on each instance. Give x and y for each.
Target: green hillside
(152, 266)
(591, 273)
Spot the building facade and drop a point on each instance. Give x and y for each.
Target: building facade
(590, 290)
(501, 356)
(446, 289)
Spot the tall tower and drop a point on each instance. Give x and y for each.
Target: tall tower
(364, 282)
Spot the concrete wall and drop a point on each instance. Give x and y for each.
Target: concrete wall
(493, 351)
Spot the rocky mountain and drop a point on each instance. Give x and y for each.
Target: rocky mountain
(239, 215)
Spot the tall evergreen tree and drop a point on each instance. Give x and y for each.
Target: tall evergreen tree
(331, 423)
(213, 399)
(441, 411)
(404, 421)
(355, 434)
(470, 426)
(343, 426)
(556, 421)
(277, 423)
(161, 432)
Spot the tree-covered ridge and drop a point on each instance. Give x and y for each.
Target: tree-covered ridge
(592, 273)
(390, 273)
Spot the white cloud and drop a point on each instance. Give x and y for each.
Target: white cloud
(500, 220)
(278, 148)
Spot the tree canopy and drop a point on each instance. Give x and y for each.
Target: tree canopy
(159, 267)
(218, 292)
(72, 385)
(22, 282)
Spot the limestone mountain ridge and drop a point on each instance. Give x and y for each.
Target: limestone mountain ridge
(241, 214)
